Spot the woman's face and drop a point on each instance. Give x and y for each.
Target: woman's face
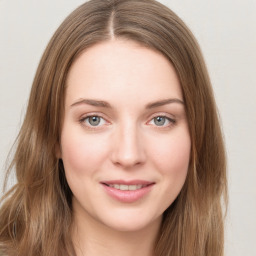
(125, 143)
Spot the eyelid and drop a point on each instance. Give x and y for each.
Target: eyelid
(169, 117)
(92, 114)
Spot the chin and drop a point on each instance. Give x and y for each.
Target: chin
(131, 223)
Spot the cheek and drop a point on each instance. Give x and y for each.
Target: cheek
(172, 154)
(171, 159)
(81, 154)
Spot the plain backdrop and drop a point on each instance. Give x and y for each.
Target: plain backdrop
(226, 31)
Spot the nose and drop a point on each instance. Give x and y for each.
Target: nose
(127, 148)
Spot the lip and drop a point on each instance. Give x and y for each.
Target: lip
(127, 196)
(127, 182)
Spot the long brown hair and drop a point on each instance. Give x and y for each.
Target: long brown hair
(36, 214)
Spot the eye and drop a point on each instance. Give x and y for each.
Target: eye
(93, 121)
(161, 121)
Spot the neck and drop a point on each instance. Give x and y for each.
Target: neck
(93, 238)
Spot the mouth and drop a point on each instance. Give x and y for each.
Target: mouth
(127, 191)
(124, 187)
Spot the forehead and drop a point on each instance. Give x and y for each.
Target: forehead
(116, 69)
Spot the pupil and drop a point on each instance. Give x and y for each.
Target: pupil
(94, 120)
(159, 120)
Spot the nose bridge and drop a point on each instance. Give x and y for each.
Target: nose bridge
(128, 147)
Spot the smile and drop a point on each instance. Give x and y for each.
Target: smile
(127, 191)
(126, 187)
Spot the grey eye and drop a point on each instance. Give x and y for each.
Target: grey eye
(160, 120)
(94, 120)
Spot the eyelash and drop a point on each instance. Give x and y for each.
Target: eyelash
(89, 126)
(171, 121)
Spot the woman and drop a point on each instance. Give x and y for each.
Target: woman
(120, 152)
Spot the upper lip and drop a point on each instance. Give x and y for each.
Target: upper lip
(127, 182)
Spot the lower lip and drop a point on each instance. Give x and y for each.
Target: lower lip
(127, 196)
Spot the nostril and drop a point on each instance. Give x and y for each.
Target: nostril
(127, 146)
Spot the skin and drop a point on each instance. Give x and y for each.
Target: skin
(128, 143)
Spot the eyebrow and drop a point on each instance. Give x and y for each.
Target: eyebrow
(163, 102)
(96, 103)
(104, 104)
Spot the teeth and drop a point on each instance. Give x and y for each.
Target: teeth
(126, 187)
(132, 187)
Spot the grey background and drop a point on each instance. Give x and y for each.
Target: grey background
(226, 31)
